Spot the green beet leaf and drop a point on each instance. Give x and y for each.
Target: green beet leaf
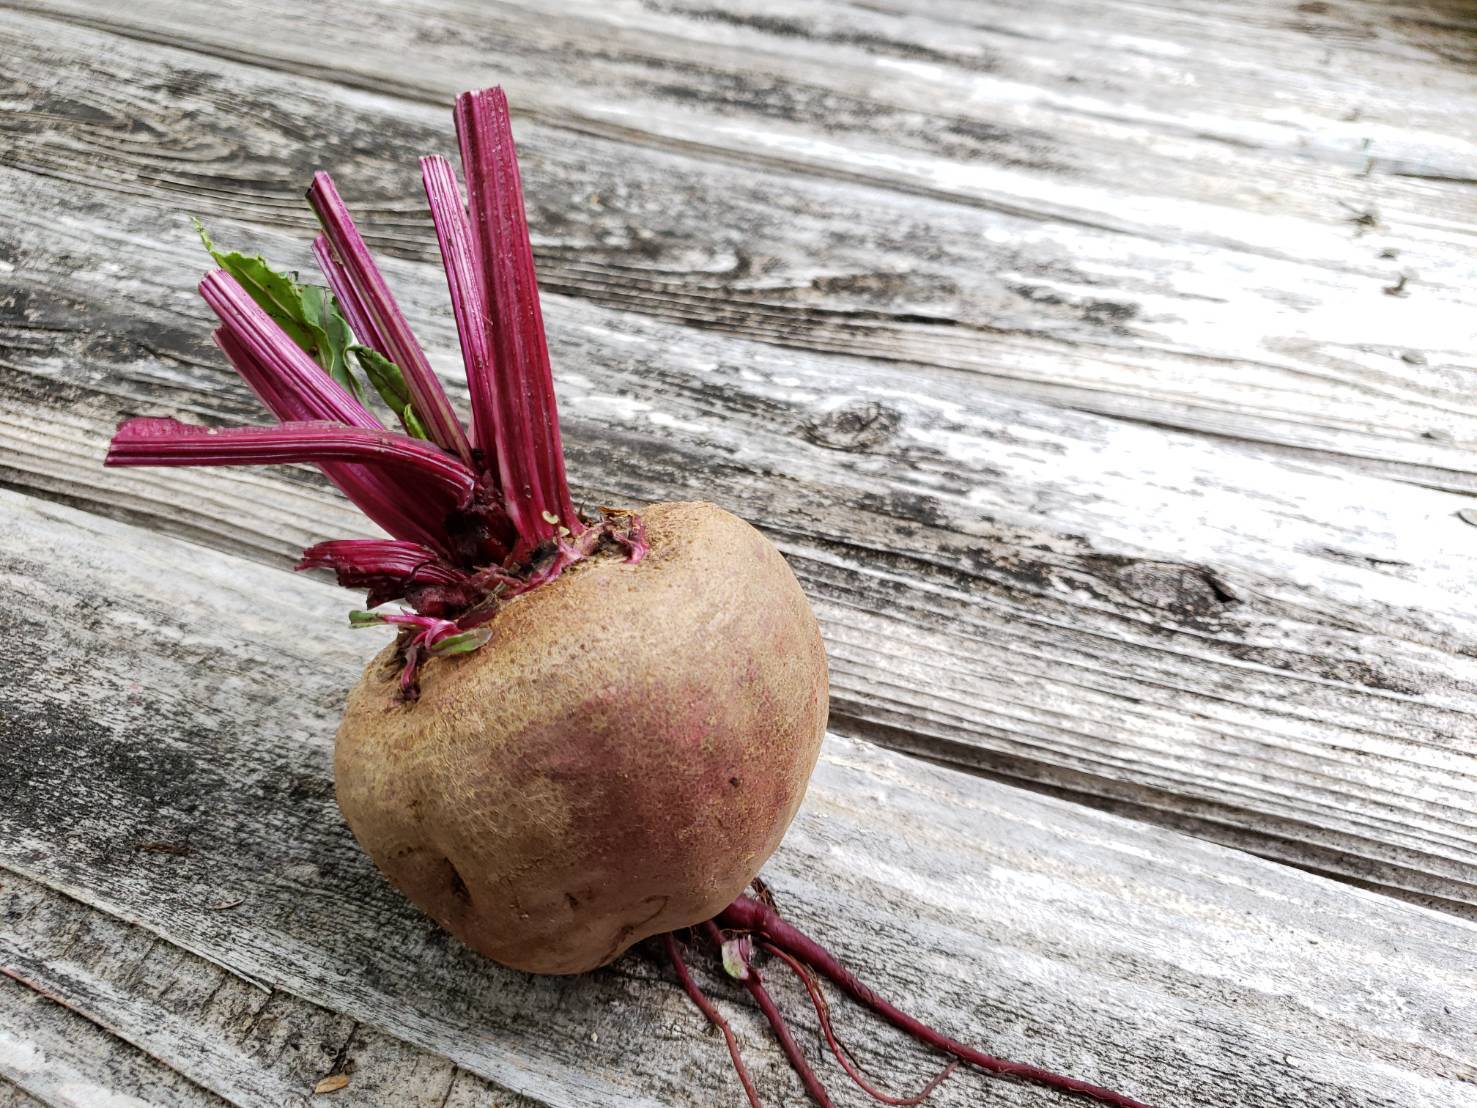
(463, 643)
(389, 382)
(307, 313)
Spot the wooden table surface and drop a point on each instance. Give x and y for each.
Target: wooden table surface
(1106, 372)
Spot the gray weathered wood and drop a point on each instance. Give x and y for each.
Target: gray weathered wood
(1092, 211)
(250, 1046)
(60, 1059)
(1282, 657)
(13, 1096)
(187, 765)
(1252, 222)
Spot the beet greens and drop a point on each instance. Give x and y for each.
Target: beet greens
(474, 518)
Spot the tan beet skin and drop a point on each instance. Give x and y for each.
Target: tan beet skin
(617, 762)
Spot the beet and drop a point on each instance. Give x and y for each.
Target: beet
(566, 791)
(591, 727)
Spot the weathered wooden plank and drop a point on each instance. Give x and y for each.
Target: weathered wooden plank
(59, 1058)
(167, 694)
(13, 1096)
(1279, 657)
(249, 1046)
(1017, 199)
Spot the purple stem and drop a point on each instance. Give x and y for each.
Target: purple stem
(373, 491)
(467, 286)
(522, 489)
(358, 561)
(293, 373)
(388, 569)
(168, 442)
(529, 450)
(748, 914)
(374, 296)
(285, 404)
(354, 309)
(409, 686)
(429, 629)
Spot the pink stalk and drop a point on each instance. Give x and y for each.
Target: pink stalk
(633, 540)
(429, 628)
(387, 569)
(286, 405)
(373, 558)
(168, 442)
(823, 1014)
(373, 491)
(355, 311)
(529, 451)
(748, 914)
(715, 1017)
(373, 295)
(428, 635)
(467, 286)
(294, 374)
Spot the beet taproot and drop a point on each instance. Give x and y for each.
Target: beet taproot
(592, 727)
(617, 761)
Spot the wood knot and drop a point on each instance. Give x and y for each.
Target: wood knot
(861, 427)
(1186, 592)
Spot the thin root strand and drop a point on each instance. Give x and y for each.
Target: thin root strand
(715, 1017)
(749, 914)
(823, 1013)
(793, 1054)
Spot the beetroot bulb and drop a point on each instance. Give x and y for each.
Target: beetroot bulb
(591, 728)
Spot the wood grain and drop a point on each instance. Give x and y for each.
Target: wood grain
(200, 696)
(55, 1057)
(250, 1046)
(1280, 657)
(13, 1096)
(1256, 240)
(871, 275)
